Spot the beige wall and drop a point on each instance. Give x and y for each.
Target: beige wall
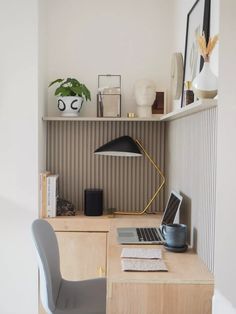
(225, 254)
(131, 38)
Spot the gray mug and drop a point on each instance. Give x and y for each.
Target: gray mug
(175, 235)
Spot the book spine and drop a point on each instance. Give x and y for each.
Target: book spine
(49, 196)
(56, 194)
(52, 196)
(43, 193)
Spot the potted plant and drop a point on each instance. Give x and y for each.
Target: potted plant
(71, 94)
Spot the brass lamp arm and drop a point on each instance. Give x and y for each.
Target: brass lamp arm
(157, 191)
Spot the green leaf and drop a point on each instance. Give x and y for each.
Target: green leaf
(67, 82)
(71, 87)
(63, 91)
(56, 81)
(77, 90)
(86, 92)
(75, 82)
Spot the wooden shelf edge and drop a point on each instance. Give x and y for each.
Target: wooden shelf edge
(195, 107)
(47, 118)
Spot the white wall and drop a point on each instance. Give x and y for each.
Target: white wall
(181, 9)
(43, 81)
(225, 257)
(221, 304)
(131, 38)
(19, 155)
(225, 254)
(191, 143)
(215, 19)
(190, 159)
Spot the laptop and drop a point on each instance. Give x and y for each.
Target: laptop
(151, 235)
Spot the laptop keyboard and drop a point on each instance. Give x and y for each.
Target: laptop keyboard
(148, 234)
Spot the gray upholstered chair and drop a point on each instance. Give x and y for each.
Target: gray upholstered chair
(60, 296)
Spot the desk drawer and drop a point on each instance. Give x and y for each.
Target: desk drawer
(159, 298)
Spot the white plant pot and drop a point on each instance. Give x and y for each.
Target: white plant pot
(205, 83)
(69, 105)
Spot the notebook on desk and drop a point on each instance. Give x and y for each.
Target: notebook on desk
(151, 235)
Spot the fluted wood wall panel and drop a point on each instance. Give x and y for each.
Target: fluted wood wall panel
(191, 169)
(127, 182)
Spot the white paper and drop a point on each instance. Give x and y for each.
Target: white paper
(141, 253)
(143, 265)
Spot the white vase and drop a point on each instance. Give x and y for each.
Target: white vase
(205, 83)
(69, 105)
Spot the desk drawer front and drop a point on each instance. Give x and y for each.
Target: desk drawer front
(135, 298)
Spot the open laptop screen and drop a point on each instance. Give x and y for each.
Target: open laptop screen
(172, 207)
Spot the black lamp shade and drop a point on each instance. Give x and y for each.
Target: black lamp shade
(122, 146)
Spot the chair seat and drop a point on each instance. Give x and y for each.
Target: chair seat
(82, 297)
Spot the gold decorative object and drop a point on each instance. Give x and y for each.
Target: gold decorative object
(130, 115)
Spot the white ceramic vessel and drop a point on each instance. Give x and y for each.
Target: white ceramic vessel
(205, 83)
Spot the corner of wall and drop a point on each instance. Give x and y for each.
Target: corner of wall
(221, 304)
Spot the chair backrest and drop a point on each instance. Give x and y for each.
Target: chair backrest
(49, 263)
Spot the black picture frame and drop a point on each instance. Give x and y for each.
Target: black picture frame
(203, 8)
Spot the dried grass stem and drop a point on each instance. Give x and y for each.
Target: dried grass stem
(206, 49)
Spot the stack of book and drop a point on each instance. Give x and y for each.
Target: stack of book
(48, 194)
(138, 259)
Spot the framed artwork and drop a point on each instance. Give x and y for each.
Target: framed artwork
(198, 21)
(159, 105)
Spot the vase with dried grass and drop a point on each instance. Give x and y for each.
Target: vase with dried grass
(205, 83)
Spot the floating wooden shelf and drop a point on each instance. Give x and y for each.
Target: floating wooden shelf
(99, 119)
(195, 107)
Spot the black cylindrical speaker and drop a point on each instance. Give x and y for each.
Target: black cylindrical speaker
(93, 202)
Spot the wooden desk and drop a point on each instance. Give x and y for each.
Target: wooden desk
(187, 288)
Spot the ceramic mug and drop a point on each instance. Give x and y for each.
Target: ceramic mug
(175, 235)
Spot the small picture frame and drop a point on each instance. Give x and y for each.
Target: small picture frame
(159, 105)
(111, 105)
(109, 96)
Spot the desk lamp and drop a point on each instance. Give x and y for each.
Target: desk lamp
(125, 146)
